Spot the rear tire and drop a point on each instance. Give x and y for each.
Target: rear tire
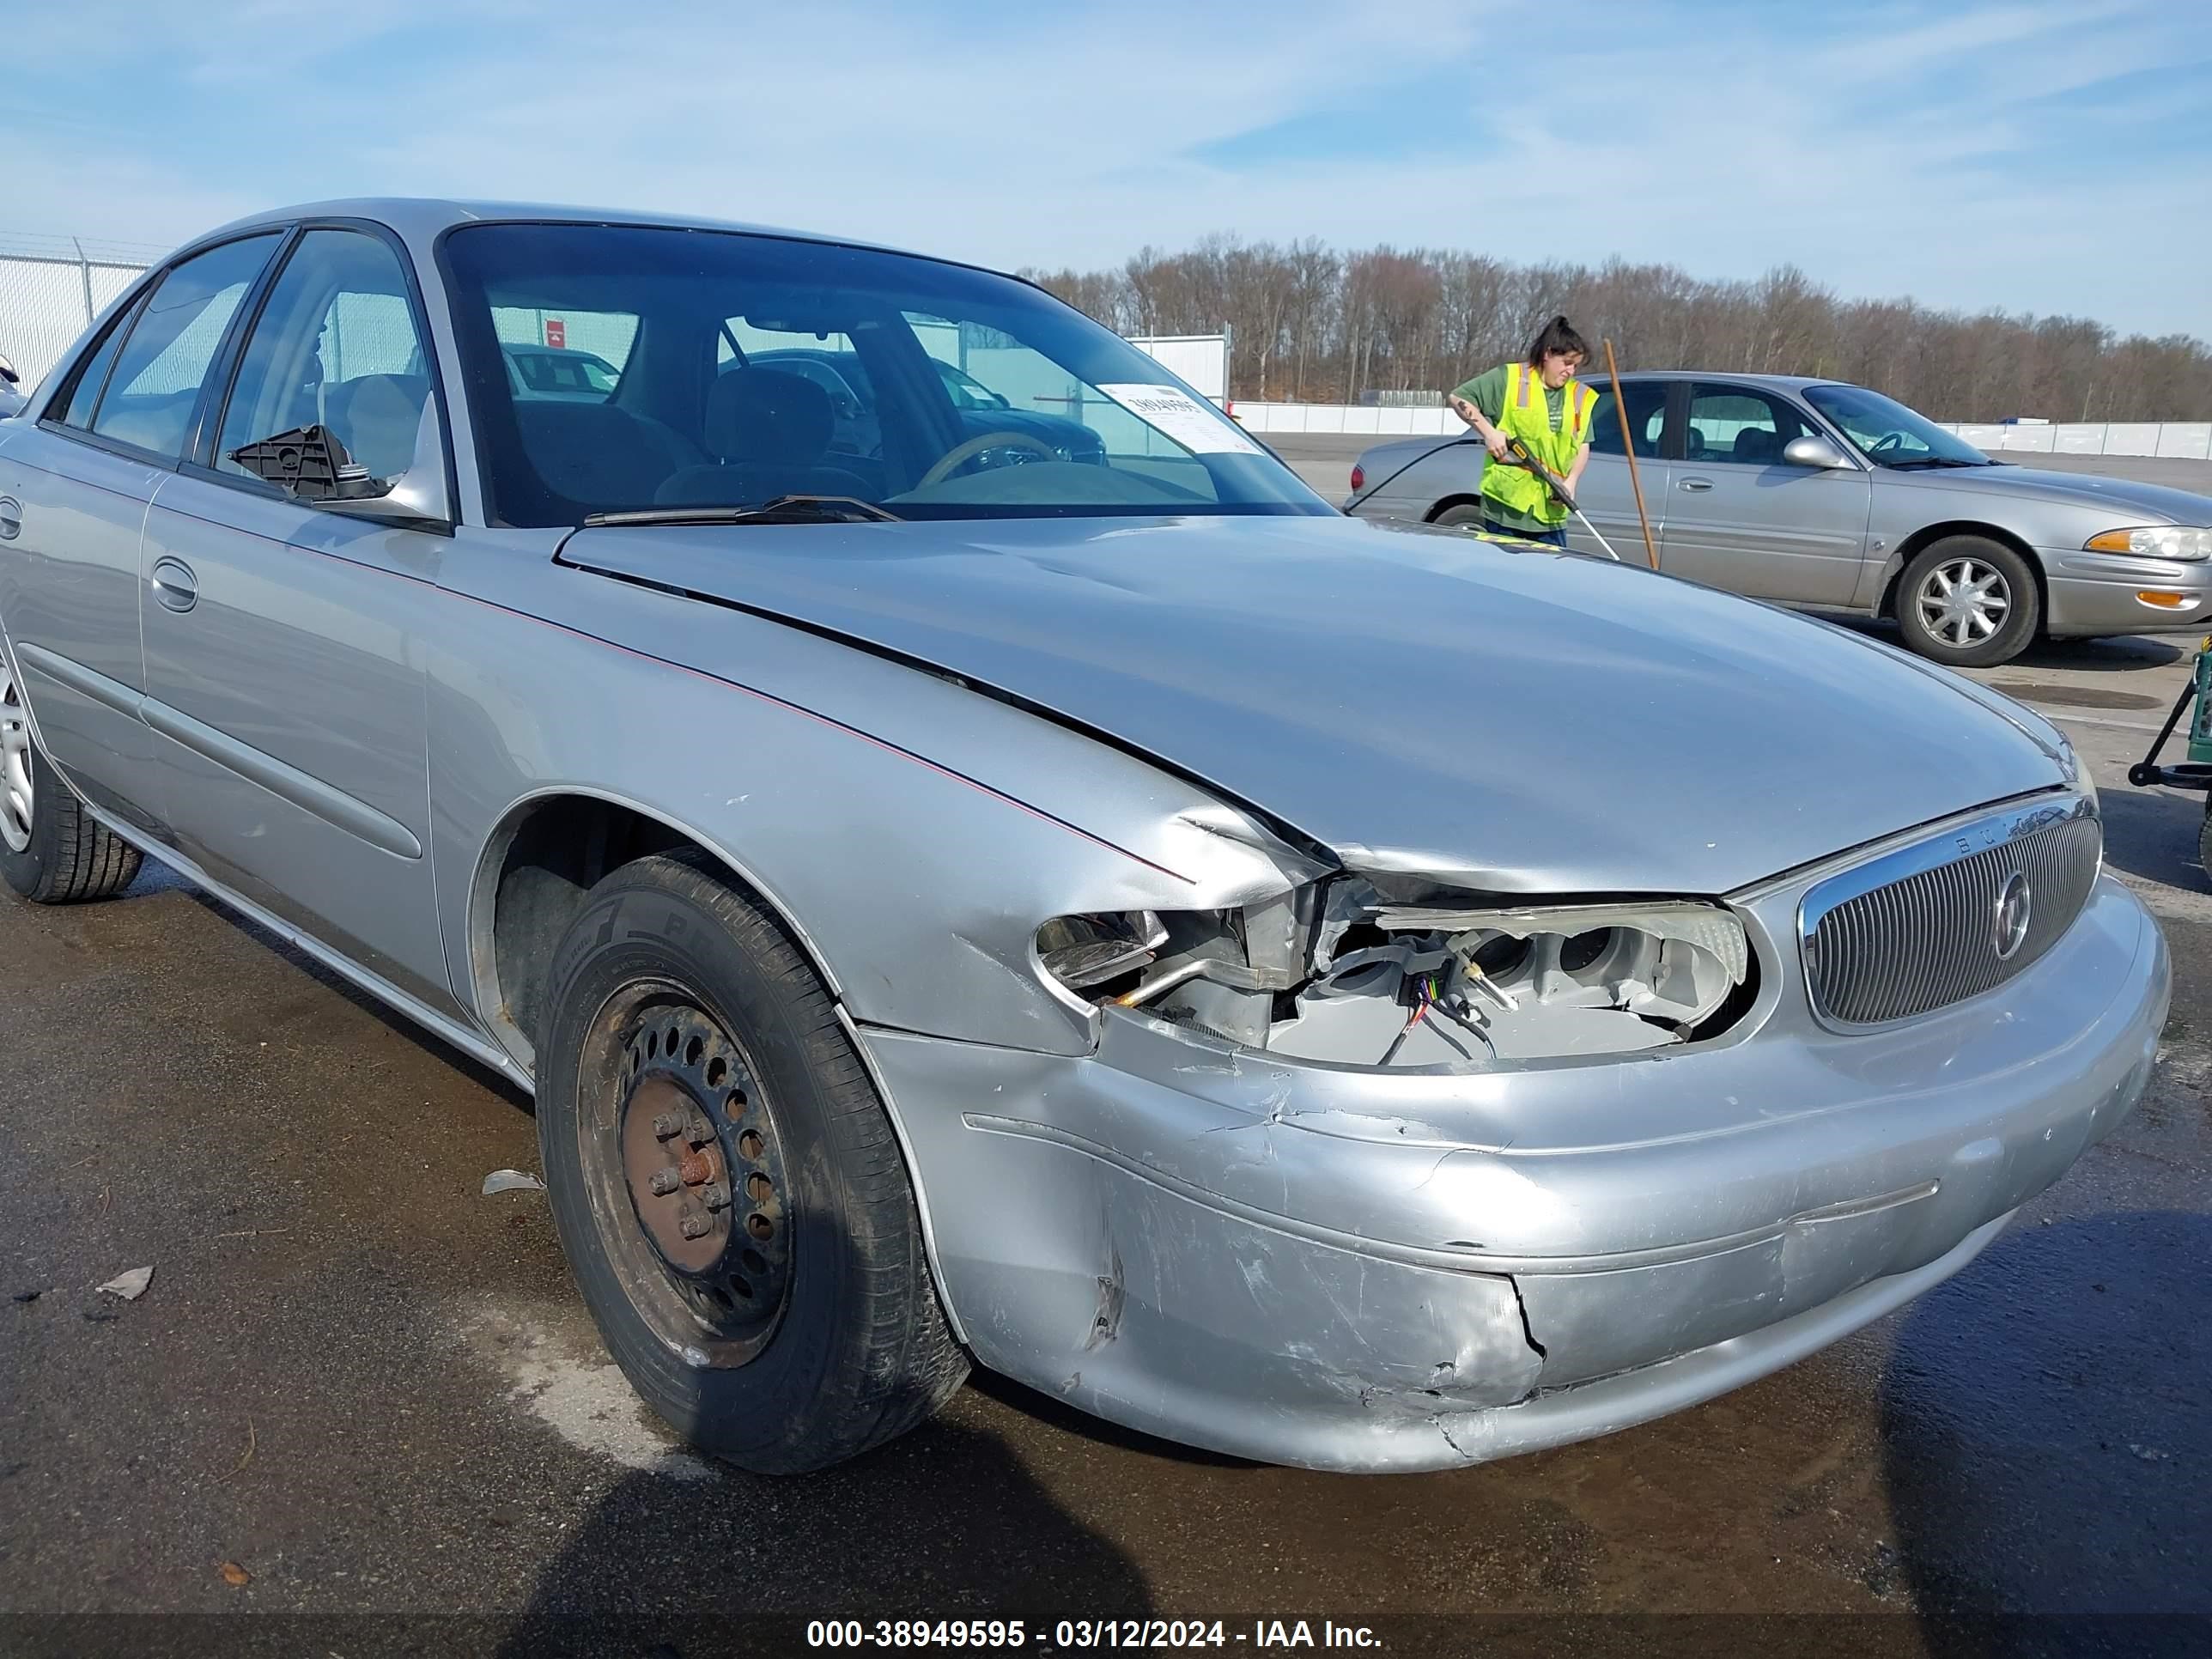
(758, 1274)
(1461, 517)
(52, 850)
(1968, 602)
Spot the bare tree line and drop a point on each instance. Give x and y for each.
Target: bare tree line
(1308, 323)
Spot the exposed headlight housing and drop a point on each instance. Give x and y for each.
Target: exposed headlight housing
(1345, 972)
(2156, 541)
(1084, 951)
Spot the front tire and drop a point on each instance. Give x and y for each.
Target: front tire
(1968, 602)
(726, 1182)
(52, 851)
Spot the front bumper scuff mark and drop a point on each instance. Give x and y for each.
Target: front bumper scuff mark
(1553, 1254)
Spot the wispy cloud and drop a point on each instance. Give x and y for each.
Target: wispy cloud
(1995, 154)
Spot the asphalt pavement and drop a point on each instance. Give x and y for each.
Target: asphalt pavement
(360, 1408)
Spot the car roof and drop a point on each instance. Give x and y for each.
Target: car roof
(1779, 382)
(420, 218)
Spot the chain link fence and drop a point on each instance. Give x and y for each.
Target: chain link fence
(51, 287)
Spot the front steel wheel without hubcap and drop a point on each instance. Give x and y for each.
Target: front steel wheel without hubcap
(1963, 601)
(15, 766)
(689, 1191)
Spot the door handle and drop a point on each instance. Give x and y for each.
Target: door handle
(1697, 483)
(174, 585)
(12, 518)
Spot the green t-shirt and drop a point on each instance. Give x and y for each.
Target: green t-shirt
(1486, 392)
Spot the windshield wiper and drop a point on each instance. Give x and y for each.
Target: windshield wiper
(777, 509)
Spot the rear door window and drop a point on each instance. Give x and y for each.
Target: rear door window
(1733, 423)
(92, 379)
(163, 365)
(1647, 419)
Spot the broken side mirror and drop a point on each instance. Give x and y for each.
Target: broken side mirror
(311, 465)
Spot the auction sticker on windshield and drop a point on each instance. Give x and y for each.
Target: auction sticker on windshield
(1191, 424)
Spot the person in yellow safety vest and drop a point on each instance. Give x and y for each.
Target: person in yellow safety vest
(1540, 402)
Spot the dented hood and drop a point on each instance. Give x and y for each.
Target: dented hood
(1518, 720)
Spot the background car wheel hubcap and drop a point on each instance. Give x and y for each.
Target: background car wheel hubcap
(704, 1166)
(14, 767)
(1963, 601)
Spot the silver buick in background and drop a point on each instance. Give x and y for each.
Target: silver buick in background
(1831, 497)
(1343, 994)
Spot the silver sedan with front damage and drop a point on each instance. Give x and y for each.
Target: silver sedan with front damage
(1336, 993)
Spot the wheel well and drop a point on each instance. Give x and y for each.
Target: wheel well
(533, 881)
(1450, 502)
(1911, 548)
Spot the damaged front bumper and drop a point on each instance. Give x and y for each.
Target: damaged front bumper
(1342, 1267)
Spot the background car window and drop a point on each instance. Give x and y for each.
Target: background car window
(92, 379)
(1647, 419)
(609, 335)
(155, 386)
(1734, 423)
(967, 391)
(336, 346)
(546, 372)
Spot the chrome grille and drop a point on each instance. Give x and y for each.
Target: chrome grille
(1923, 928)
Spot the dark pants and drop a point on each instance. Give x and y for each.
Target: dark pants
(1555, 536)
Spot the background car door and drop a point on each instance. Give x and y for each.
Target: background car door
(283, 668)
(69, 573)
(1738, 517)
(1607, 498)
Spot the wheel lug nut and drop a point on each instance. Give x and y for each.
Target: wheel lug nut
(667, 1127)
(700, 1132)
(716, 1197)
(666, 1181)
(698, 1169)
(694, 1226)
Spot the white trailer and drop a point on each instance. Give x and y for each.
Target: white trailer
(1201, 360)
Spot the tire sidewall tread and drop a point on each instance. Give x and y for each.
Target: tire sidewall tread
(73, 858)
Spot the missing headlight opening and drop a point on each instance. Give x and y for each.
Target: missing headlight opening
(1347, 972)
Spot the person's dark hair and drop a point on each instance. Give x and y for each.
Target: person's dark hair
(1558, 336)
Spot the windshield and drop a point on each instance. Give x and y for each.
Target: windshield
(1888, 433)
(724, 396)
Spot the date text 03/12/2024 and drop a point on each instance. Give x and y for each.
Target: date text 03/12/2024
(1085, 1633)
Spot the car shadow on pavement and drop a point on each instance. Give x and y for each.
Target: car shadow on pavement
(1059, 1414)
(398, 1024)
(2130, 654)
(2127, 654)
(2046, 1436)
(2152, 834)
(945, 1523)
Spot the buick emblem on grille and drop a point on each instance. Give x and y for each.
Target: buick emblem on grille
(2014, 904)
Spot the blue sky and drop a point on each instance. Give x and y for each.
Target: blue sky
(2031, 156)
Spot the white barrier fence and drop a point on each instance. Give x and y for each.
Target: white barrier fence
(2183, 440)
(2177, 439)
(1359, 418)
